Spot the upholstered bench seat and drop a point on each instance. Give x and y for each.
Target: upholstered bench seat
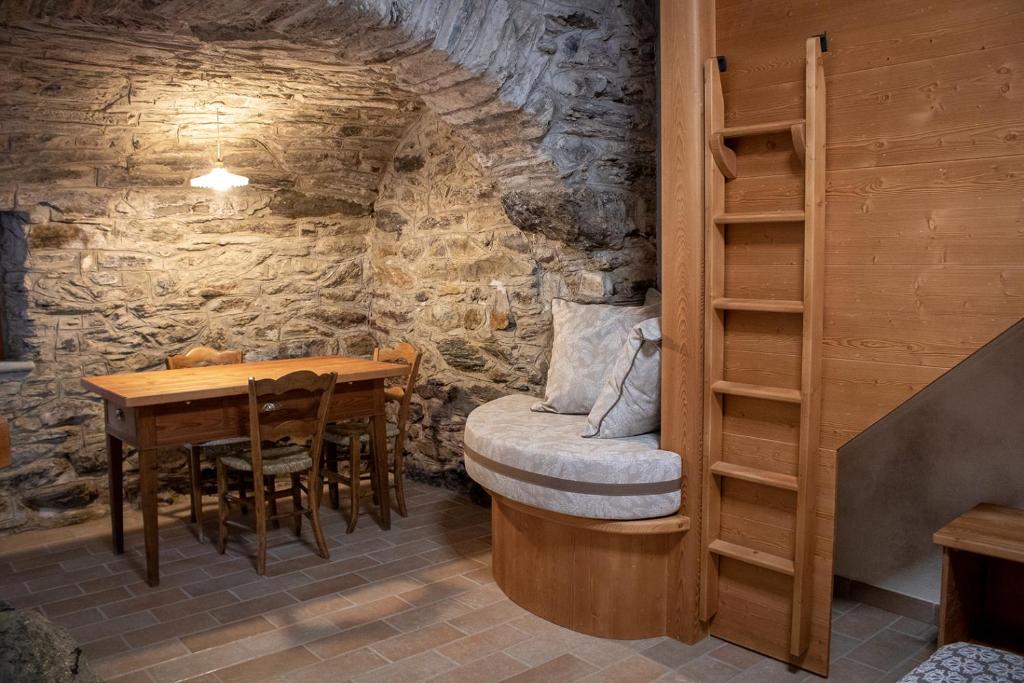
(540, 459)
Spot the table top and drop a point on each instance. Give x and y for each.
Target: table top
(133, 389)
(993, 530)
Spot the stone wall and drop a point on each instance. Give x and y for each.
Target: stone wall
(453, 276)
(368, 220)
(111, 262)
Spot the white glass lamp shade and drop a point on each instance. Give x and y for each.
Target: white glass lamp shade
(220, 179)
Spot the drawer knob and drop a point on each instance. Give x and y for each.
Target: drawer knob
(119, 414)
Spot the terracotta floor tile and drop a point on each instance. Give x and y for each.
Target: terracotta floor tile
(446, 569)
(385, 608)
(146, 601)
(404, 550)
(268, 666)
(340, 566)
(558, 670)
(113, 627)
(402, 566)
(672, 653)
(139, 658)
(317, 589)
(352, 639)
(709, 669)
(177, 610)
(85, 601)
(481, 596)
(225, 633)
(848, 671)
(635, 669)
(415, 642)
(301, 611)
(863, 621)
(490, 669)
(199, 663)
(439, 590)
(483, 643)
(396, 585)
(736, 656)
(250, 608)
(341, 668)
(883, 649)
(486, 617)
(104, 647)
(170, 629)
(417, 618)
(422, 667)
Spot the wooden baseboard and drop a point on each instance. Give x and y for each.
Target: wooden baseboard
(883, 598)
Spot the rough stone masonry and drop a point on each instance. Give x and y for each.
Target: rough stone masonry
(370, 217)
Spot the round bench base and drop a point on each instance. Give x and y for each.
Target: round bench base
(599, 577)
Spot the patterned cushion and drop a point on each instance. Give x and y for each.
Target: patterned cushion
(541, 460)
(284, 460)
(587, 340)
(630, 402)
(968, 663)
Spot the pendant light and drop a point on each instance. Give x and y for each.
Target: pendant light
(219, 179)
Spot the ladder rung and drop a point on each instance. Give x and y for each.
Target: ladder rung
(760, 305)
(760, 217)
(758, 476)
(760, 128)
(751, 556)
(757, 391)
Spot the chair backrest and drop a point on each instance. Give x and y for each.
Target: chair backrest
(201, 356)
(293, 408)
(406, 354)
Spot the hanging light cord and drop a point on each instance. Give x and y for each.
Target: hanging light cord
(218, 137)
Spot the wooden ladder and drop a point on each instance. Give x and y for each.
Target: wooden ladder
(808, 137)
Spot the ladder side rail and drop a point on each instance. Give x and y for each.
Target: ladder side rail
(810, 372)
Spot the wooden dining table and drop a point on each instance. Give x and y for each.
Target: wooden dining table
(166, 408)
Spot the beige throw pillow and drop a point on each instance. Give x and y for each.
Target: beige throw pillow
(630, 402)
(587, 340)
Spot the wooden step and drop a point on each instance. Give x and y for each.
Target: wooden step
(757, 391)
(759, 305)
(760, 128)
(758, 476)
(751, 556)
(760, 217)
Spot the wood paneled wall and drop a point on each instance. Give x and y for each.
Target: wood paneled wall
(924, 230)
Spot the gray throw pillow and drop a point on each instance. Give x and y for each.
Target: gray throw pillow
(587, 340)
(630, 402)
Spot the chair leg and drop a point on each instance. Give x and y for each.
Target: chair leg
(297, 503)
(315, 493)
(400, 486)
(271, 483)
(240, 484)
(355, 459)
(261, 504)
(375, 484)
(222, 507)
(194, 475)
(331, 464)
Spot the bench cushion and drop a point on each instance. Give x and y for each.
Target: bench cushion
(541, 460)
(965, 662)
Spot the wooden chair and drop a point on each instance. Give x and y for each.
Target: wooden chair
(290, 412)
(351, 434)
(203, 356)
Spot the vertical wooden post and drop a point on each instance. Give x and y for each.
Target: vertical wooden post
(687, 39)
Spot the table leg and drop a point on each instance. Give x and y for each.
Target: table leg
(115, 478)
(148, 464)
(380, 462)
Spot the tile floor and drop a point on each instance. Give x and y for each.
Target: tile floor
(416, 603)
